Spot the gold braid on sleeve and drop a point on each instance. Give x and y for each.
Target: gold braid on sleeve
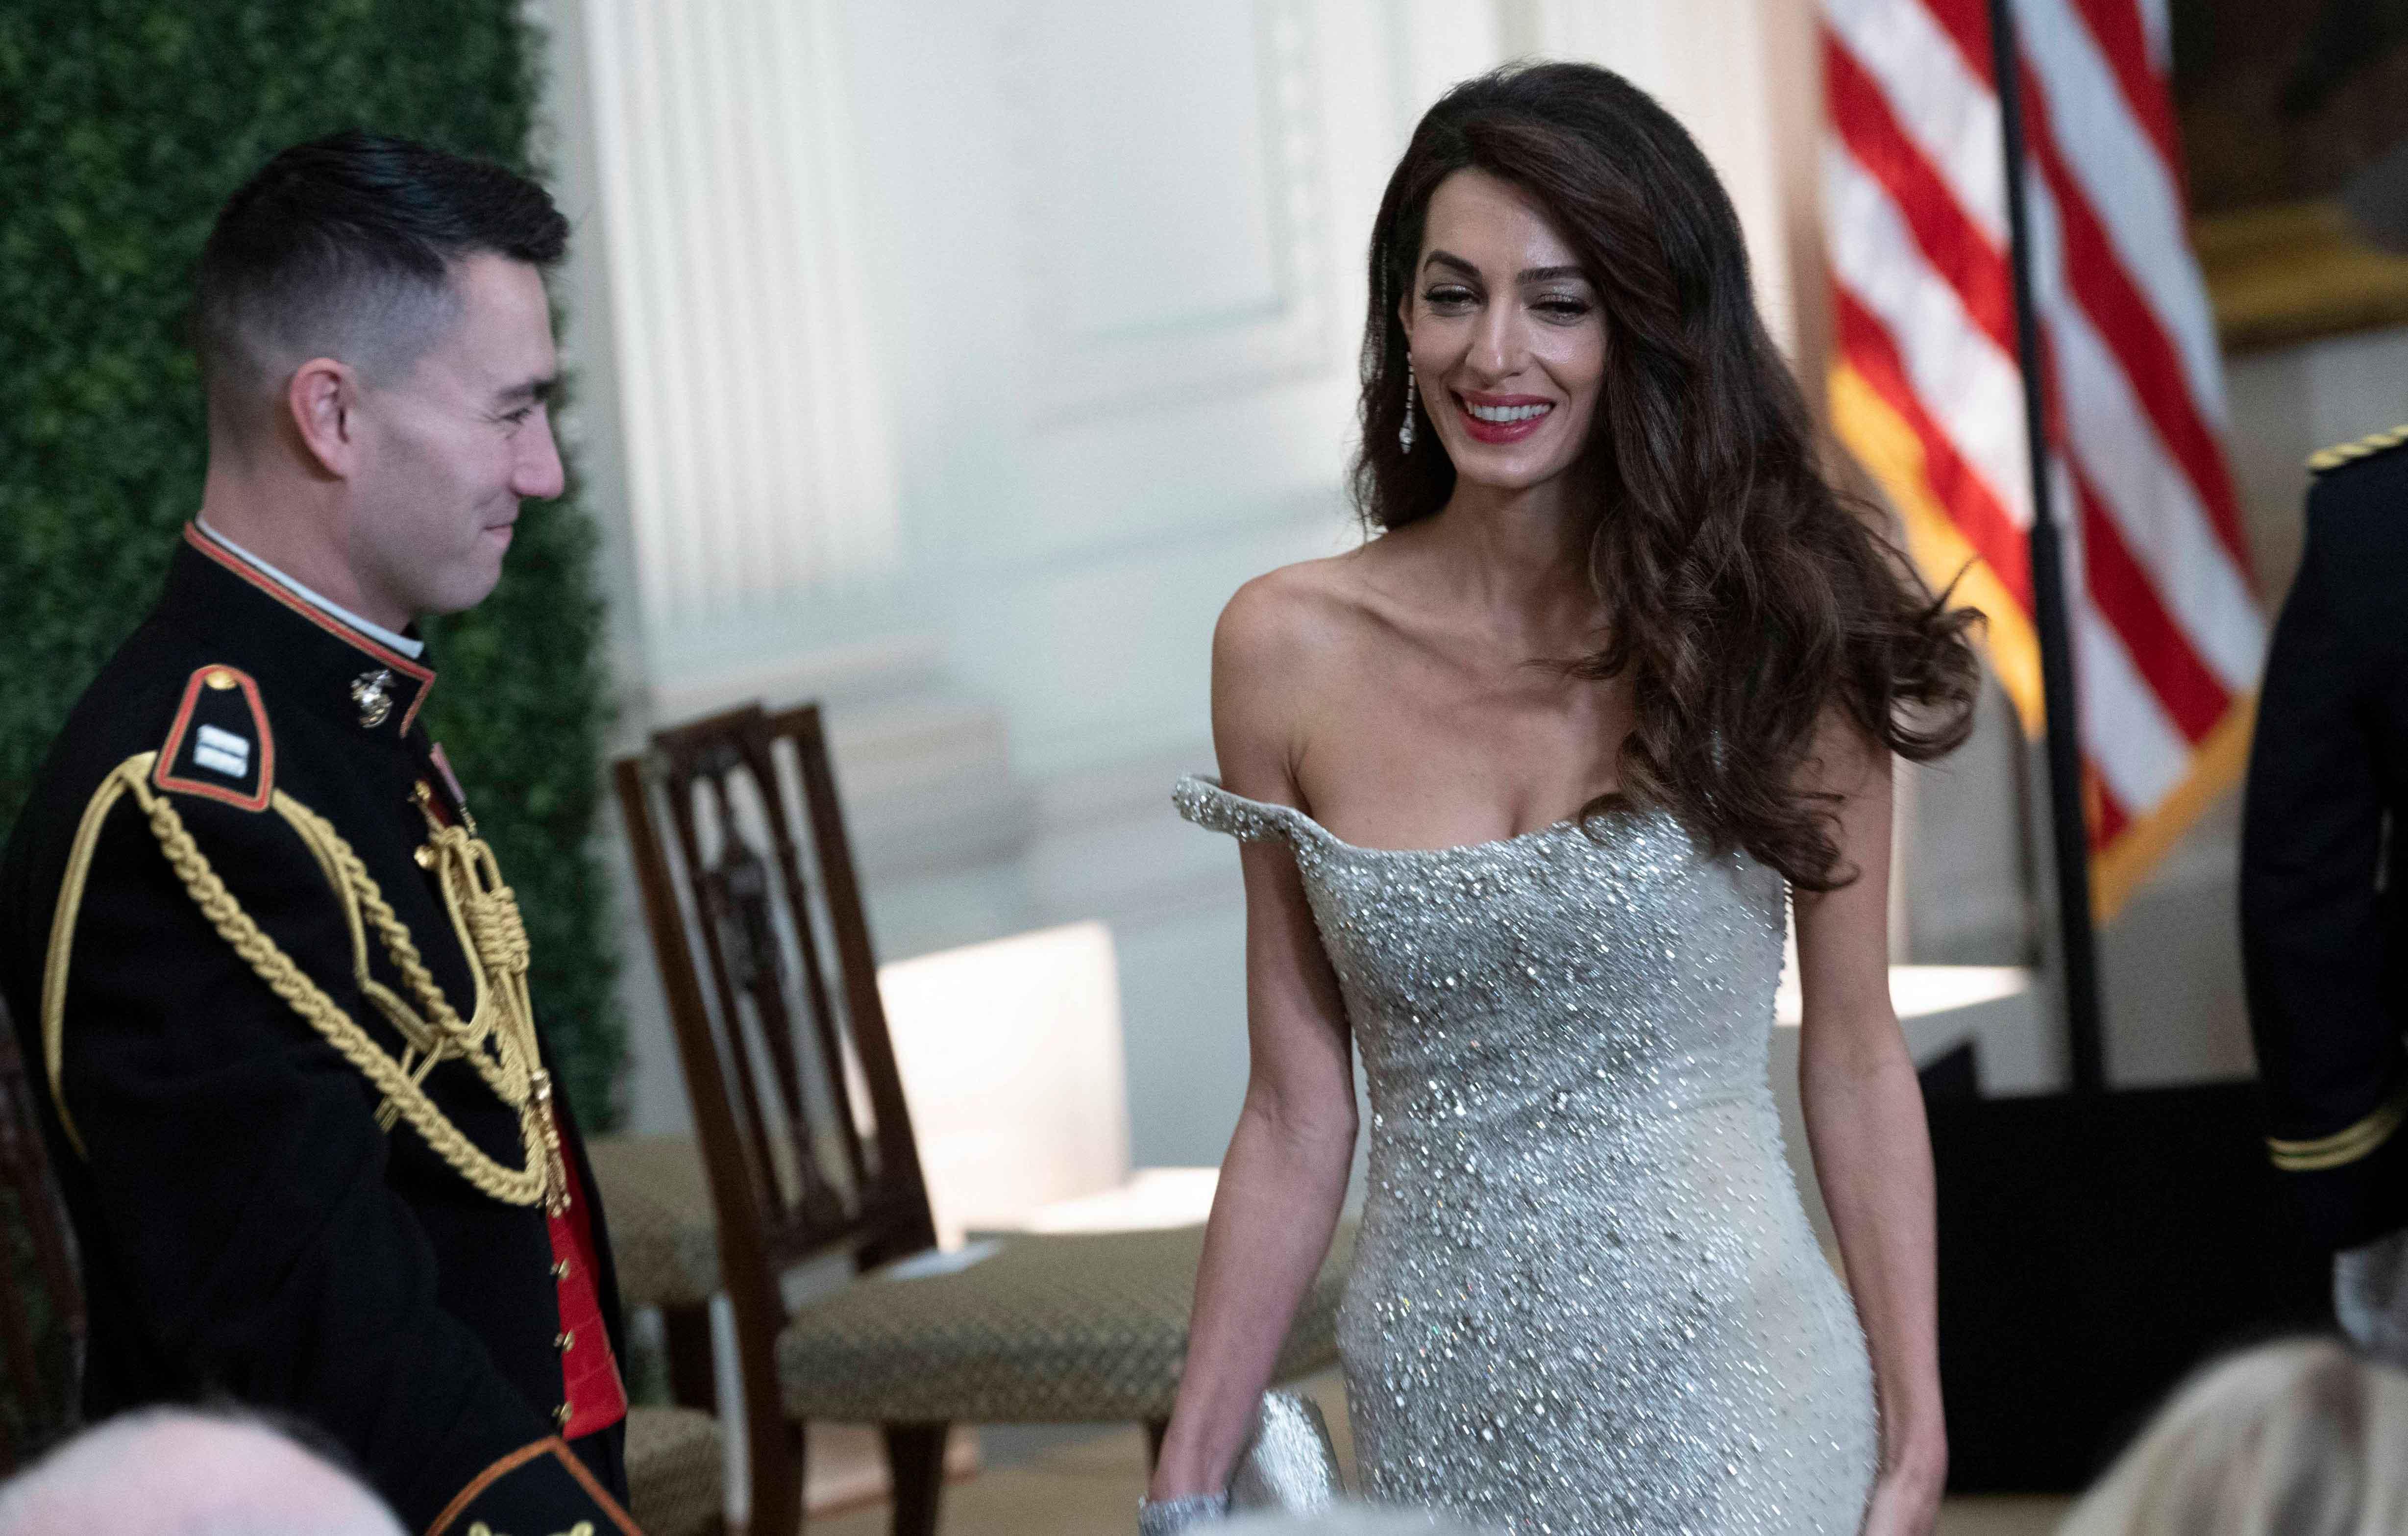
(499, 1041)
(2343, 1146)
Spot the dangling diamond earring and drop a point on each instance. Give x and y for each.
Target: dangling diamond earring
(1405, 433)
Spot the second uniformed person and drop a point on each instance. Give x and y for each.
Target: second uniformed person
(2324, 922)
(267, 970)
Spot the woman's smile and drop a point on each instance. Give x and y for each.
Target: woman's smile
(1501, 418)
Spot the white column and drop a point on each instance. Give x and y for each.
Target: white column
(757, 426)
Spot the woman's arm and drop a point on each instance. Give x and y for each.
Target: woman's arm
(1284, 1175)
(1864, 1121)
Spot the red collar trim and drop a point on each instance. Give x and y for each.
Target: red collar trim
(384, 655)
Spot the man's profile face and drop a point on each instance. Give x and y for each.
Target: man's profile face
(455, 441)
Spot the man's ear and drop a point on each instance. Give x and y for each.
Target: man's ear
(323, 400)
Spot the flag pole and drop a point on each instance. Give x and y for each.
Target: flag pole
(2078, 956)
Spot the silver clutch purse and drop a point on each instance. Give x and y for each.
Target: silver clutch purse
(1289, 1463)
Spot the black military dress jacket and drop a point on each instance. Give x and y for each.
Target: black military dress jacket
(2324, 922)
(250, 1224)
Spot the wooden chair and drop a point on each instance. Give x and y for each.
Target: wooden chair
(764, 956)
(41, 1300)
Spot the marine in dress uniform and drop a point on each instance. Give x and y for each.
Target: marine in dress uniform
(276, 987)
(2324, 922)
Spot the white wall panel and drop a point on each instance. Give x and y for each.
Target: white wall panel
(1127, 269)
(1434, 44)
(1172, 216)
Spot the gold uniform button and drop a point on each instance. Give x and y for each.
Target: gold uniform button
(565, 1341)
(560, 1270)
(220, 679)
(560, 1415)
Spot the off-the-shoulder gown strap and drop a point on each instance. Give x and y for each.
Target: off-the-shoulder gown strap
(1201, 799)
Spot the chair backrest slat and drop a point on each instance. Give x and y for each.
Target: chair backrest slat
(827, 1028)
(709, 906)
(898, 1156)
(745, 926)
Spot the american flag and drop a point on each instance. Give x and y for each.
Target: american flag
(1925, 390)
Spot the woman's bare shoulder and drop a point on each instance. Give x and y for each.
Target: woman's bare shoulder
(1280, 654)
(1286, 617)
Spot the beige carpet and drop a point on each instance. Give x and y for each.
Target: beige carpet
(1091, 1489)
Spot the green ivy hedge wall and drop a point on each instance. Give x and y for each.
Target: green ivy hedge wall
(123, 125)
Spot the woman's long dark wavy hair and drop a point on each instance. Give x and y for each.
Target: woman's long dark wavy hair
(1747, 597)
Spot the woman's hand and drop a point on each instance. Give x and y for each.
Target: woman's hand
(1906, 1496)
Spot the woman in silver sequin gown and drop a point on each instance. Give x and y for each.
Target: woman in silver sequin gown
(1586, 1298)
(1584, 1293)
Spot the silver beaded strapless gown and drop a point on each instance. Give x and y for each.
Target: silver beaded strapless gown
(1585, 1297)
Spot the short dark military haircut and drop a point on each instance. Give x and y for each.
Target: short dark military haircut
(342, 248)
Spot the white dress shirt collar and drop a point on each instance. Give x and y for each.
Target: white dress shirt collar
(377, 632)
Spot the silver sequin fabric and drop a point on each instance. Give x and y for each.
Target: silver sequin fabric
(1586, 1298)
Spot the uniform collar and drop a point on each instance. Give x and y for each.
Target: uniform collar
(403, 644)
(299, 649)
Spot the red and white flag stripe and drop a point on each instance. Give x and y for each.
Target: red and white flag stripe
(1927, 390)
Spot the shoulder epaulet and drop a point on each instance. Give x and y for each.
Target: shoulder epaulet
(219, 747)
(2327, 460)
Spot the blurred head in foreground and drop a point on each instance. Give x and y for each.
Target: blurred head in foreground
(170, 1471)
(2302, 1438)
(1350, 1520)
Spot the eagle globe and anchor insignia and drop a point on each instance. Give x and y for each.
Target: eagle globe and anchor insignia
(373, 692)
